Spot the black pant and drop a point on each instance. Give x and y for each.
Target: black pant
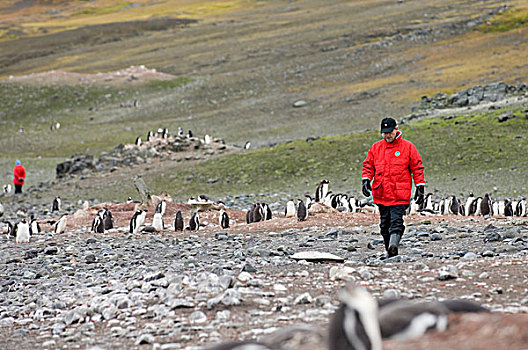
(391, 221)
(18, 189)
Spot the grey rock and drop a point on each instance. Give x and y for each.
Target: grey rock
(447, 272)
(51, 250)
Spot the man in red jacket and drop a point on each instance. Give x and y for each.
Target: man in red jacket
(19, 176)
(393, 163)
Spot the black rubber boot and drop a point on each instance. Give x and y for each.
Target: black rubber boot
(386, 239)
(394, 244)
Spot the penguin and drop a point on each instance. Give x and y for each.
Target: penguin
(469, 202)
(335, 200)
(257, 213)
(108, 220)
(137, 220)
(461, 208)
(194, 222)
(290, 209)
(60, 225)
(34, 227)
(355, 325)
(413, 208)
(1, 210)
(267, 211)
(321, 190)
(150, 136)
(309, 201)
(247, 145)
(98, 223)
(302, 212)
(138, 141)
(56, 205)
(352, 204)
(248, 216)
(453, 207)
(130, 200)
(180, 131)
(178, 221)
(508, 208)
(207, 139)
(203, 198)
(157, 222)
(499, 207)
(343, 203)
(11, 231)
(160, 133)
(406, 319)
(165, 133)
(224, 219)
(161, 207)
(189, 134)
(486, 206)
(22, 232)
(327, 200)
(244, 345)
(7, 188)
(520, 208)
(428, 202)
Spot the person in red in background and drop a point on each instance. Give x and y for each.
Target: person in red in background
(393, 163)
(20, 176)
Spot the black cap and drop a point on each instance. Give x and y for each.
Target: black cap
(388, 124)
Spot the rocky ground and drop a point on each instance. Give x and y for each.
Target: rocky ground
(192, 289)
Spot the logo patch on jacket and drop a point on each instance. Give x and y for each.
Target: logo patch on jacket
(397, 153)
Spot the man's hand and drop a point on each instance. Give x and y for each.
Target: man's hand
(419, 195)
(366, 187)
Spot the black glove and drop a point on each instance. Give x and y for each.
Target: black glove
(419, 195)
(366, 187)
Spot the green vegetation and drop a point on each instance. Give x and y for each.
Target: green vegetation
(512, 18)
(462, 153)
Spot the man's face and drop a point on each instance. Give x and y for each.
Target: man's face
(389, 136)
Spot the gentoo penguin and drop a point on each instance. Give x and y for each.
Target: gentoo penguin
(189, 134)
(244, 345)
(247, 145)
(461, 208)
(520, 208)
(34, 226)
(224, 219)
(157, 222)
(165, 133)
(267, 211)
(7, 188)
(178, 221)
(486, 206)
(11, 231)
(248, 216)
(56, 205)
(60, 225)
(309, 201)
(302, 212)
(150, 136)
(98, 223)
(138, 141)
(180, 131)
(108, 220)
(469, 203)
(137, 220)
(355, 325)
(508, 208)
(1, 210)
(257, 213)
(290, 210)
(327, 200)
(405, 319)
(203, 198)
(321, 190)
(160, 133)
(207, 139)
(194, 222)
(453, 206)
(161, 207)
(428, 202)
(352, 204)
(22, 232)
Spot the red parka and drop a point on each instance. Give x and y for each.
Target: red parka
(19, 175)
(393, 166)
